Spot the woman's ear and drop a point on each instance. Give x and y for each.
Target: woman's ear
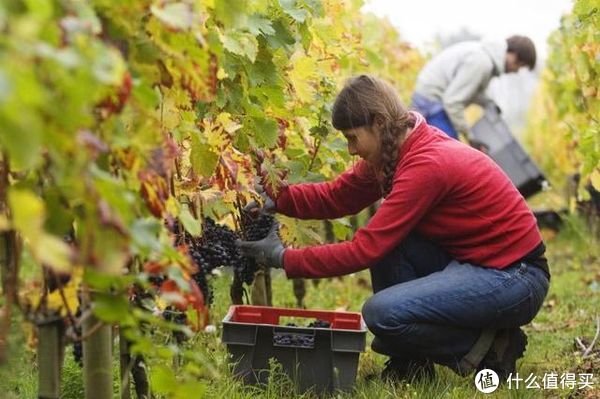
(378, 121)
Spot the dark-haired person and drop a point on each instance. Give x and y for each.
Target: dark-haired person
(459, 75)
(456, 259)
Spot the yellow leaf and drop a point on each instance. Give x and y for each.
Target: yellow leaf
(210, 195)
(52, 252)
(168, 113)
(230, 197)
(28, 212)
(595, 179)
(303, 75)
(172, 206)
(4, 223)
(230, 126)
(221, 74)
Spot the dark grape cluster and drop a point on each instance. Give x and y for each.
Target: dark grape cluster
(203, 284)
(257, 227)
(156, 279)
(217, 248)
(178, 317)
(78, 352)
(78, 345)
(320, 324)
(295, 340)
(315, 324)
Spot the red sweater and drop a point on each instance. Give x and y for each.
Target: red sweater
(443, 189)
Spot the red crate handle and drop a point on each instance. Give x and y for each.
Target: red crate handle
(271, 316)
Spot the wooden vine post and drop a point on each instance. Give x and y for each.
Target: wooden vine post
(97, 358)
(96, 335)
(50, 353)
(261, 288)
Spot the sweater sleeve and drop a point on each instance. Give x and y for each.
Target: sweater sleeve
(416, 190)
(348, 194)
(466, 85)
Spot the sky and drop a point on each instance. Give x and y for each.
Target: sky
(420, 20)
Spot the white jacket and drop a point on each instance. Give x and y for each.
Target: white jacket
(459, 75)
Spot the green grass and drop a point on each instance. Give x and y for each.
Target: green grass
(569, 311)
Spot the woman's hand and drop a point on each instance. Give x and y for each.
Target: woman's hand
(268, 203)
(269, 250)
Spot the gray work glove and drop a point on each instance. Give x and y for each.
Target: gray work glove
(268, 251)
(268, 203)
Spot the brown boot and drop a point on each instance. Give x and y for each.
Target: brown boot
(508, 346)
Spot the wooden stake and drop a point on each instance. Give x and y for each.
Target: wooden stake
(50, 347)
(97, 359)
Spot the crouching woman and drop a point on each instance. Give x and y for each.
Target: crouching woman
(456, 259)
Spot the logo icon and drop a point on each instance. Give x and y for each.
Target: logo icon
(487, 381)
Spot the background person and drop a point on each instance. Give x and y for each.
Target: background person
(459, 76)
(456, 259)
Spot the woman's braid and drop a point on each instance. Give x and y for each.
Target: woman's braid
(392, 133)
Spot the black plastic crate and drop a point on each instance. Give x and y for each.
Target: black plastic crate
(318, 359)
(506, 151)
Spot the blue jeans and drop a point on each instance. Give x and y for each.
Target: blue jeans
(442, 121)
(434, 113)
(427, 305)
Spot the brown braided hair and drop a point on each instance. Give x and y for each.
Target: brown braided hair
(366, 100)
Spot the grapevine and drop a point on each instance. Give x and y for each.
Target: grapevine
(121, 115)
(564, 128)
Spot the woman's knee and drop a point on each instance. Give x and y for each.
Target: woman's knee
(381, 318)
(374, 312)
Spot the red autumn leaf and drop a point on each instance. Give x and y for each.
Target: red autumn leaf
(171, 287)
(282, 138)
(151, 267)
(154, 191)
(195, 297)
(114, 103)
(196, 300)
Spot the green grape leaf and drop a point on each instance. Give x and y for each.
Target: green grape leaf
(202, 158)
(146, 96)
(190, 389)
(282, 36)
(258, 24)
(265, 131)
(59, 219)
(289, 7)
(341, 229)
(23, 142)
(41, 9)
(112, 309)
(231, 13)
(191, 225)
(239, 43)
(144, 234)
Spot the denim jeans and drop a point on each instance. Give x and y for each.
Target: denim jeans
(434, 113)
(427, 305)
